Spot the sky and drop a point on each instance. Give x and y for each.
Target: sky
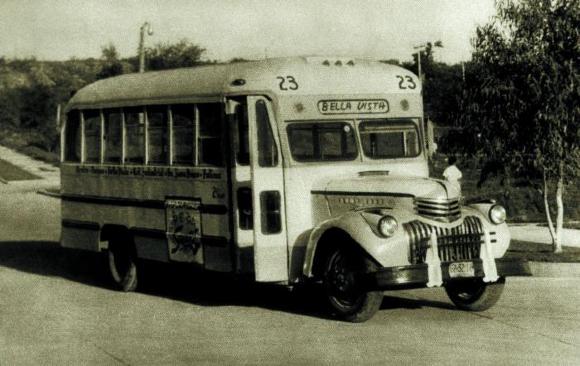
(252, 29)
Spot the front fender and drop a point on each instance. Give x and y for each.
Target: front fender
(500, 233)
(383, 250)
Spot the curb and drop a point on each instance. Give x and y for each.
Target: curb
(548, 269)
(48, 193)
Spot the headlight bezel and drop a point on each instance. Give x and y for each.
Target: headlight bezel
(387, 226)
(497, 214)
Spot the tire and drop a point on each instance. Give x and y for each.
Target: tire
(475, 295)
(123, 265)
(345, 291)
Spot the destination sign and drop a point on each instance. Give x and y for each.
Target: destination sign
(353, 106)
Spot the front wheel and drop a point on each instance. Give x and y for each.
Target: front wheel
(475, 295)
(123, 265)
(345, 288)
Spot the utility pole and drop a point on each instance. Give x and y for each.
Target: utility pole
(420, 48)
(146, 27)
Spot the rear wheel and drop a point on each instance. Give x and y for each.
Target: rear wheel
(123, 264)
(344, 283)
(475, 295)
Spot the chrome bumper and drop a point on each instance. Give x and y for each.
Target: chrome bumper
(417, 275)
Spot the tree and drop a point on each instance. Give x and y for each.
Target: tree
(523, 93)
(171, 56)
(238, 60)
(442, 84)
(112, 65)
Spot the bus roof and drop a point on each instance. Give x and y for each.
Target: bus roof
(279, 76)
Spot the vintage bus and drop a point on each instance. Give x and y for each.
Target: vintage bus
(294, 170)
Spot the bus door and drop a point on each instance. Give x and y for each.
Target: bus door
(258, 191)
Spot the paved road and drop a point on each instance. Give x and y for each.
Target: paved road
(56, 308)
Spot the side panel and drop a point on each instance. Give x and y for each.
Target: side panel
(80, 234)
(136, 198)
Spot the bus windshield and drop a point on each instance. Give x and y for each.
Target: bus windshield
(335, 141)
(384, 139)
(322, 141)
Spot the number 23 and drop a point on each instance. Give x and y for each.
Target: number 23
(406, 82)
(287, 83)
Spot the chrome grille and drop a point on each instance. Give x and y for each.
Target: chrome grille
(446, 210)
(462, 242)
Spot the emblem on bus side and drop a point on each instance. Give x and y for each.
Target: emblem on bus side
(183, 223)
(357, 106)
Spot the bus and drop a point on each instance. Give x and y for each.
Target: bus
(304, 170)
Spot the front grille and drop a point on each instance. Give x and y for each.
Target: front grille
(446, 210)
(462, 242)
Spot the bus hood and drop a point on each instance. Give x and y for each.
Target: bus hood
(363, 184)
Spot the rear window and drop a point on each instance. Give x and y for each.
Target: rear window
(382, 139)
(322, 141)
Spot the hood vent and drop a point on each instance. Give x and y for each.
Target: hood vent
(446, 210)
(371, 173)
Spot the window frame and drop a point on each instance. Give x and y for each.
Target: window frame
(346, 122)
(106, 112)
(392, 121)
(165, 128)
(144, 142)
(67, 143)
(172, 161)
(99, 155)
(265, 135)
(199, 137)
(101, 113)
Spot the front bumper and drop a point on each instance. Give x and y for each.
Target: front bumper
(417, 275)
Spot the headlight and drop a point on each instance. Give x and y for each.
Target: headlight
(497, 214)
(388, 226)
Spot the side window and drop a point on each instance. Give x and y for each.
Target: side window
(267, 152)
(210, 148)
(243, 143)
(113, 135)
(72, 138)
(183, 134)
(92, 136)
(158, 143)
(134, 127)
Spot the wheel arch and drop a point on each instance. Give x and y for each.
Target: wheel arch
(328, 240)
(350, 228)
(112, 231)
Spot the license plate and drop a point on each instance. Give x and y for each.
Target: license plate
(461, 269)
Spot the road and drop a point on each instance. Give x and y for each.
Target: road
(56, 308)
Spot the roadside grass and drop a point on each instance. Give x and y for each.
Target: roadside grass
(522, 198)
(10, 172)
(537, 252)
(29, 142)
